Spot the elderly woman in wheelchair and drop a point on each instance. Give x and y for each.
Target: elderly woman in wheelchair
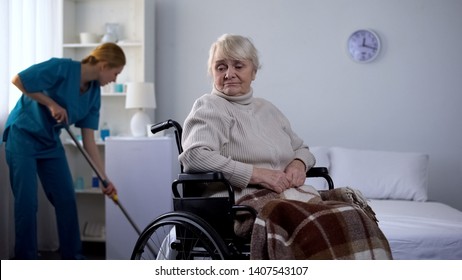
(255, 204)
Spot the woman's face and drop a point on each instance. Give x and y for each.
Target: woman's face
(232, 77)
(108, 75)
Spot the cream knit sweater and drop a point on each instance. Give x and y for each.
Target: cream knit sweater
(233, 134)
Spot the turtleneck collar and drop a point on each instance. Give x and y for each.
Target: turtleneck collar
(241, 99)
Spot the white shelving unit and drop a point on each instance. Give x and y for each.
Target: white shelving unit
(136, 34)
(136, 37)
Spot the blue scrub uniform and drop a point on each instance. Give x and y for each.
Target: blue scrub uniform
(33, 147)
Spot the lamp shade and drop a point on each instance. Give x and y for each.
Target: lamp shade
(140, 95)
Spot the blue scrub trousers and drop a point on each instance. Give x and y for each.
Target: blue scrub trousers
(57, 183)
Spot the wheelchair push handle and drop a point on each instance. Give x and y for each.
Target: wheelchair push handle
(166, 125)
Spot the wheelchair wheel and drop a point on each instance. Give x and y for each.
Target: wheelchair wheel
(179, 236)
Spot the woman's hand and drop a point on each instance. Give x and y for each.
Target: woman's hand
(295, 173)
(110, 190)
(274, 180)
(278, 181)
(58, 112)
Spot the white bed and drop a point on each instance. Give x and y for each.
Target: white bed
(420, 230)
(395, 185)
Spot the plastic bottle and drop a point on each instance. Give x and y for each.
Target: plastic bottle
(94, 181)
(105, 131)
(79, 183)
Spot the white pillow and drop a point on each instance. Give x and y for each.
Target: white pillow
(381, 174)
(322, 160)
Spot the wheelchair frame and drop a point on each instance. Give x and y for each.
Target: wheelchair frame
(192, 230)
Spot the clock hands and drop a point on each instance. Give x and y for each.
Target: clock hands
(369, 47)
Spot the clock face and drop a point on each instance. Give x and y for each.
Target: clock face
(363, 45)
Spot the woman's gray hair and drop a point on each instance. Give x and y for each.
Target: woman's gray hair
(234, 47)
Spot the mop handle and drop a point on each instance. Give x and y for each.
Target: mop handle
(89, 160)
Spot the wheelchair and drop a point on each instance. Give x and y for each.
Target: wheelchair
(199, 227)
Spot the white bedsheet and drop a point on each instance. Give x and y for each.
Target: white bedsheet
(420, 230)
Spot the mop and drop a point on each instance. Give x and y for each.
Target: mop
(103, 180)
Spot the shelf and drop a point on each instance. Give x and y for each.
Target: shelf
(93, 45)
(115, 94)
(68, 141)
(94, 231)
(96, 191)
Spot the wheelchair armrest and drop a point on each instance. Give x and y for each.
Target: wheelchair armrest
(313, 172)
(219, 177)
(207, 177)
(321, 172)
(317, 172)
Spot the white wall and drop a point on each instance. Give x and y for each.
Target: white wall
(406, 100)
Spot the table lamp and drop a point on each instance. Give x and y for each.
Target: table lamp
(140, 96)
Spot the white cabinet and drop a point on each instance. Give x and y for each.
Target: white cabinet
(143, 170)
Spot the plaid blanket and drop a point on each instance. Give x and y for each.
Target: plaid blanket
(302, 223)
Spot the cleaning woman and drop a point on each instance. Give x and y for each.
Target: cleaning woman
(55, 92)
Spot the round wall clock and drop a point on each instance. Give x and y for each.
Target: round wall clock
(364, 45)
